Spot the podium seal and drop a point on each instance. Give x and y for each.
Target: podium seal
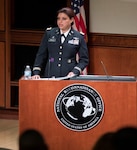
(79, 107)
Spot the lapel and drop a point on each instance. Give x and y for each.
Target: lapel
(69, 36)
(58, 35)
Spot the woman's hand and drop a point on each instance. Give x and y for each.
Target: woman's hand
(71, 74)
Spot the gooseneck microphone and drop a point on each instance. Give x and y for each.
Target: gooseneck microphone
(105, 70)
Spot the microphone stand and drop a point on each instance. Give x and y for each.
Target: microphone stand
(105, 70)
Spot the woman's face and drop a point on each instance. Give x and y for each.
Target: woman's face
(64, 22)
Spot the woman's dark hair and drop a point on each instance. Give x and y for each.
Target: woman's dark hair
(68, 11)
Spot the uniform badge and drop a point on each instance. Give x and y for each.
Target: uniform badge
(52, 39)
(75, 41)
(70, 41)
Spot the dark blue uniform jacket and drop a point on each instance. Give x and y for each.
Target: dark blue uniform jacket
(59, 59)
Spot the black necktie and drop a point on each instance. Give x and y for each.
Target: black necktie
(62, 38)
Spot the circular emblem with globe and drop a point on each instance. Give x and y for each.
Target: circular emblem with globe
(79, 107)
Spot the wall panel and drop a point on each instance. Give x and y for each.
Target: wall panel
(117, 52)
(2, 14)
(2, 74)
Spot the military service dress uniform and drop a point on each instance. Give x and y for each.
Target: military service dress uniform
(60, 58)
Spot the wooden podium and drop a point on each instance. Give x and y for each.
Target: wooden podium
(36, 110)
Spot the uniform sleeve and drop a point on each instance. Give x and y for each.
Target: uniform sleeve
(41, 56)
(83, 57)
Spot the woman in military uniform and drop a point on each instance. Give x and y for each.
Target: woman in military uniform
(58, 49)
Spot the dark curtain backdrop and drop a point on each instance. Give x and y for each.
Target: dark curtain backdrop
(38, 14)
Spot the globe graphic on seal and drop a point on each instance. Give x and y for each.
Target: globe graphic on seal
(78, 107)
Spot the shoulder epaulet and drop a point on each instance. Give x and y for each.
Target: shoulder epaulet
(82, 33)
(49, 28)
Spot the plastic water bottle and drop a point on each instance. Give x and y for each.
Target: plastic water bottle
(27, 72)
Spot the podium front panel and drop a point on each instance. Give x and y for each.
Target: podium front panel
(37, 103)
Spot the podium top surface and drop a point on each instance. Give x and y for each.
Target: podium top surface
(103, 77)
(92, 78)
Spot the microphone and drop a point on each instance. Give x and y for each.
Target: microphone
(105, 70)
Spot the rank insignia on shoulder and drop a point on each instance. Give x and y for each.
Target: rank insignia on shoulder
(49, 28)
(82, 33)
